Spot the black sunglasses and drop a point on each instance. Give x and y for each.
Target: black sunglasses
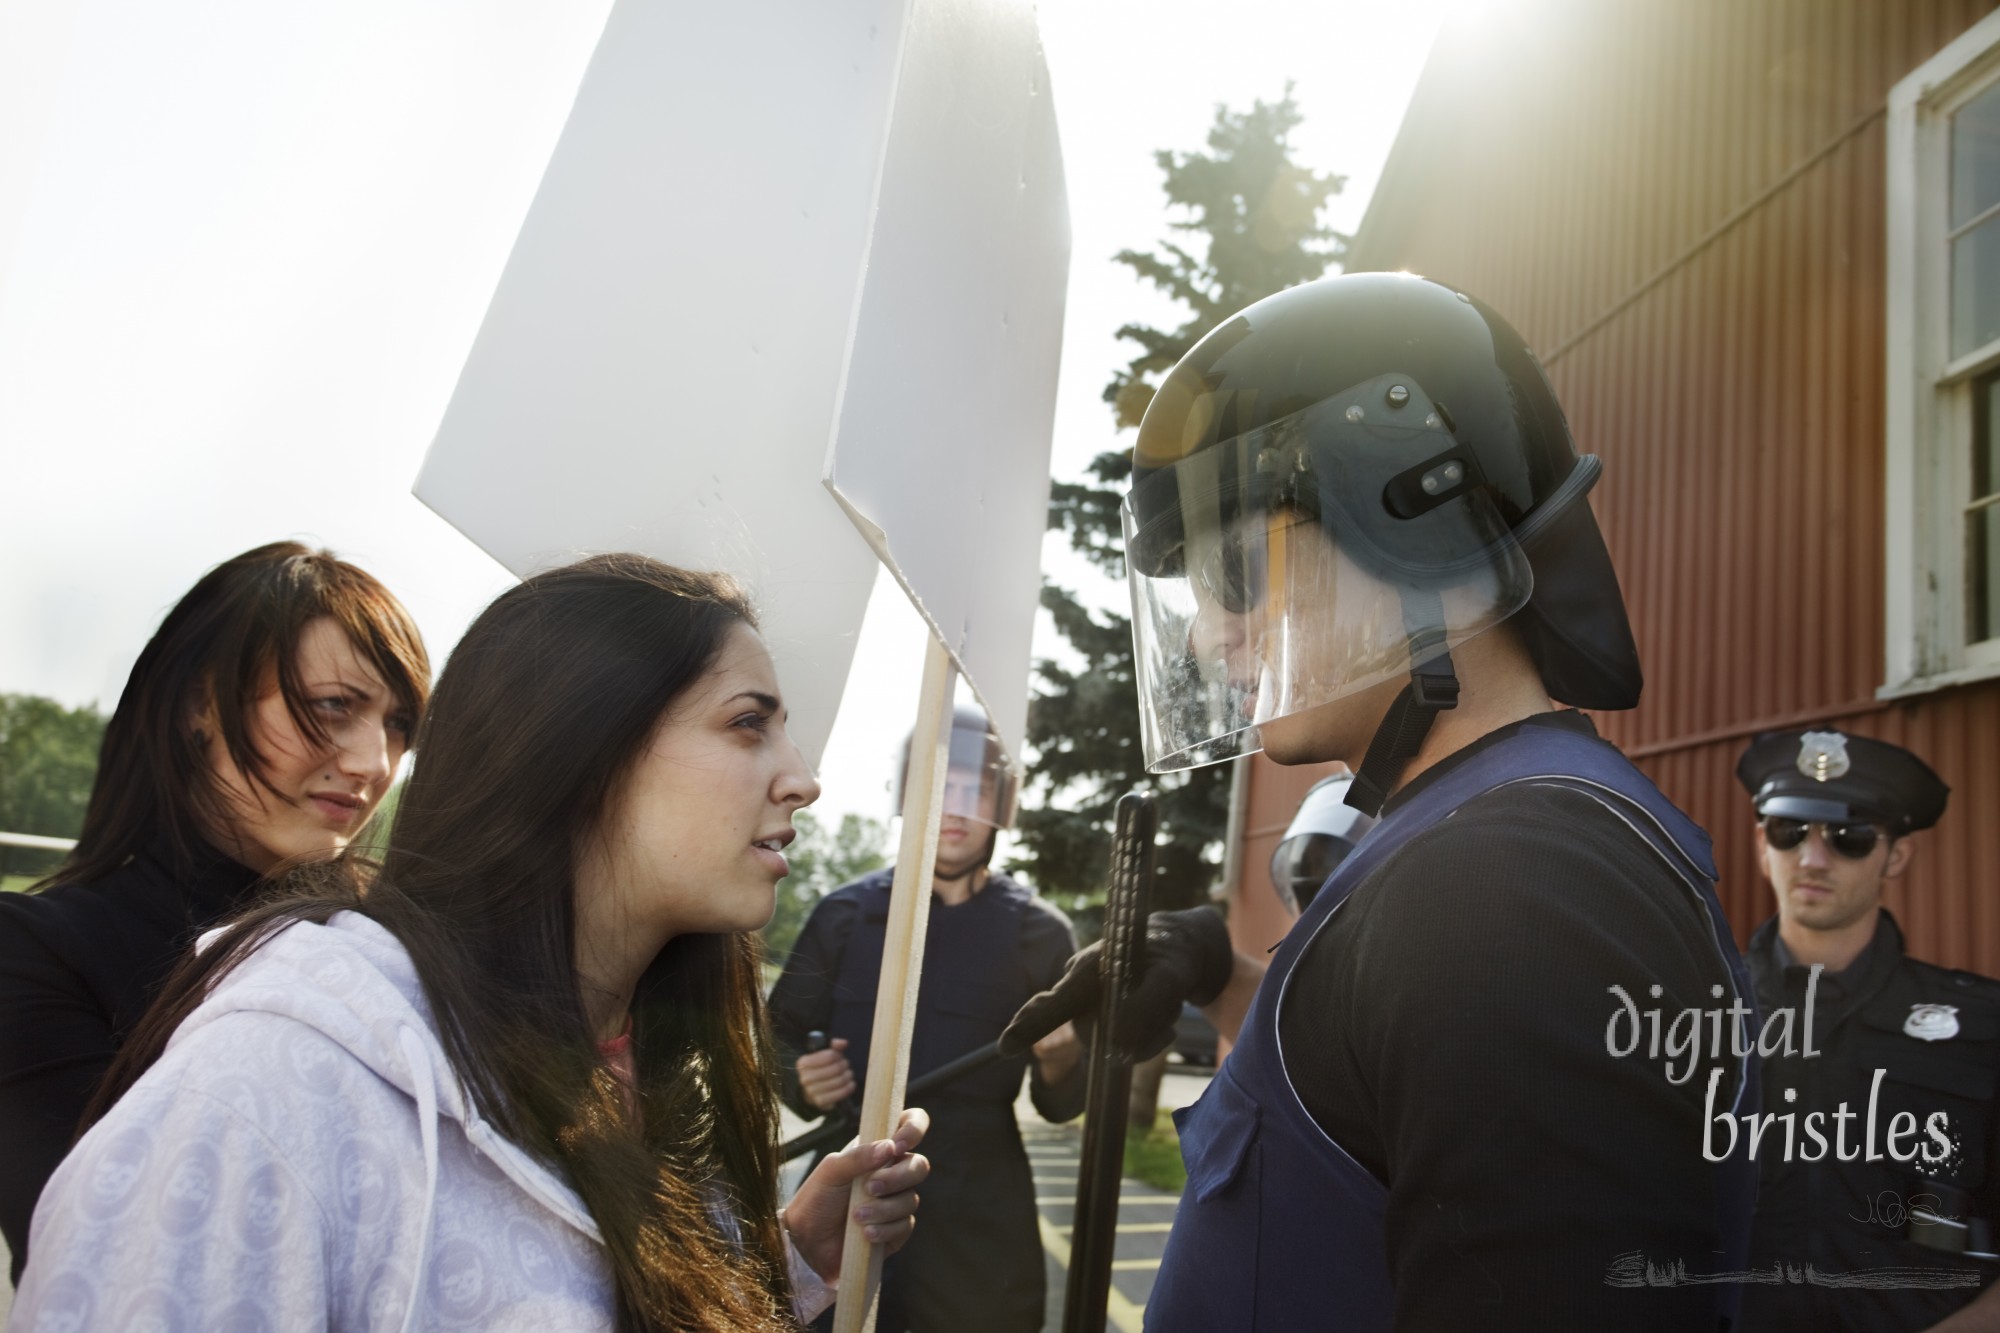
(1236, 574)
(1854, 841)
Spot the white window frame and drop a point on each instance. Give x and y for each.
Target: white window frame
(1928, 396)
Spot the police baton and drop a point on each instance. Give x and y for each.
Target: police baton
(1126, 902)
(832, 1133)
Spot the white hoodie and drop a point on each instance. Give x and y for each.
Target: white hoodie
(302, 1157)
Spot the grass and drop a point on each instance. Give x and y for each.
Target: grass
(1156, 1158)
(15, 883)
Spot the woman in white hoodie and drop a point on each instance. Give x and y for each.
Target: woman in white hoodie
(520, 1078)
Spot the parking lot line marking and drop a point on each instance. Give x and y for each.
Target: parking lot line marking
(1119, 1311)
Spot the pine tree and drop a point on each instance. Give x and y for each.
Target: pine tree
(1253, 216)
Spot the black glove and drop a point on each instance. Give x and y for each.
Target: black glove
(1187, 958)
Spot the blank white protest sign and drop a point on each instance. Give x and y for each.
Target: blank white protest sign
(941, 454)
(779, 241)
(660, 365)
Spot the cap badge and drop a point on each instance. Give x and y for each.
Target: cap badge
(1823, 755)
(1932, 1022)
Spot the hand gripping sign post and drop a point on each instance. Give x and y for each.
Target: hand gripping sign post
(795, 270)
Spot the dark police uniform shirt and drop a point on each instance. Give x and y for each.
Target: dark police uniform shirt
(1887, 1012)
(79, 964)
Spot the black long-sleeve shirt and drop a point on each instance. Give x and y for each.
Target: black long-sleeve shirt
(79, 964)
(1448, 1029)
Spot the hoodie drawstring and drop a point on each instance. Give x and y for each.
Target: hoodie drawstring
(421, 1080)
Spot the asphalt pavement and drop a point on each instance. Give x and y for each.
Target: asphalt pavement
(1145, 1213)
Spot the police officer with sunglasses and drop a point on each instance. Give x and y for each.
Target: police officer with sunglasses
(1888, 1036)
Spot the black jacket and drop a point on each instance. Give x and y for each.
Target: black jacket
(976, 1263)
(79, 964)
(970, 991)
(1934, 1034)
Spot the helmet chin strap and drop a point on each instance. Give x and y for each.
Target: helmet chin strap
(1433, 689)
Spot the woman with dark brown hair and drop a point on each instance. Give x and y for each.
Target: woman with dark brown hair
(260, 727)
(519, 1077)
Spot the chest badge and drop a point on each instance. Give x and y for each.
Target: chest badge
(1932, 1022)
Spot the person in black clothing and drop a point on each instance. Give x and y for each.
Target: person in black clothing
(976, 1262)
(1357, 530)
(1907, 1048)
(261, 726)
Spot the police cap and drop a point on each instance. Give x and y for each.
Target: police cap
(1829, 776)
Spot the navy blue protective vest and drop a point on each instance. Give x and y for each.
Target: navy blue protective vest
(1279, 1229)
(974, 980)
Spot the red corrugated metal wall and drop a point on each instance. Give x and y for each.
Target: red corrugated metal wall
(1680, 205)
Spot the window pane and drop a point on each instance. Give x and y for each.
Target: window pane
(1985, 440)
(1975, 156)
(1982, 536)
(1975, 288)
(1982, 576)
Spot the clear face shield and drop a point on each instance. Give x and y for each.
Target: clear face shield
(978, 784)
(973, 794)
(1311, 559)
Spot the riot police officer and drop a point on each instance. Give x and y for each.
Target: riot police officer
(1322, 834)
(989, 945)
(1904, 1222)
(1357, 530)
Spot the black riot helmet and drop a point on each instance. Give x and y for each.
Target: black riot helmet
(1320, 836)
(1333, 489)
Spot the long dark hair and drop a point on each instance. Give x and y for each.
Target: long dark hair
(217, 646)
(542, 711)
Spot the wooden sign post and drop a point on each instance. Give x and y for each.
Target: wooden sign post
(902, 967)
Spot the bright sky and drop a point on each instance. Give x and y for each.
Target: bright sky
(244, 249)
